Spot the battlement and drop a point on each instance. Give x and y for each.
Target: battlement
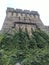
(22, 19)
(20, 12)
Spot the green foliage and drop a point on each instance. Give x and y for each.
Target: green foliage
(25, 49)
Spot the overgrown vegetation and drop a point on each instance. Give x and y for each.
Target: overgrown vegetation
(24, 49)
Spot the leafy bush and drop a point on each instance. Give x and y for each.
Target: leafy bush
(25, 49)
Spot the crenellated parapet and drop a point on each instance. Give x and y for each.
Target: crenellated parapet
(22, 19)
(11, 12)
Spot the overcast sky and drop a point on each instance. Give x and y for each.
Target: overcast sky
(42, 6)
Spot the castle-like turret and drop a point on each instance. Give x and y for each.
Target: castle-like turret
(24, 19)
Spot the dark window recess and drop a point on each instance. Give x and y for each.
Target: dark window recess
(19, 18)
(29, 19)
(13, 27)
(24, 18)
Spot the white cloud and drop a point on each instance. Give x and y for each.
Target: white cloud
(42, 6)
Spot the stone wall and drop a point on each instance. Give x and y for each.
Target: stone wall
(18, 18)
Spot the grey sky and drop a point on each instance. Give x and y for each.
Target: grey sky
(42, 6)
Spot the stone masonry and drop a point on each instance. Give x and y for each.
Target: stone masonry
(24, 19)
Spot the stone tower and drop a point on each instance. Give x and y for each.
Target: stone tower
(18, 18)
